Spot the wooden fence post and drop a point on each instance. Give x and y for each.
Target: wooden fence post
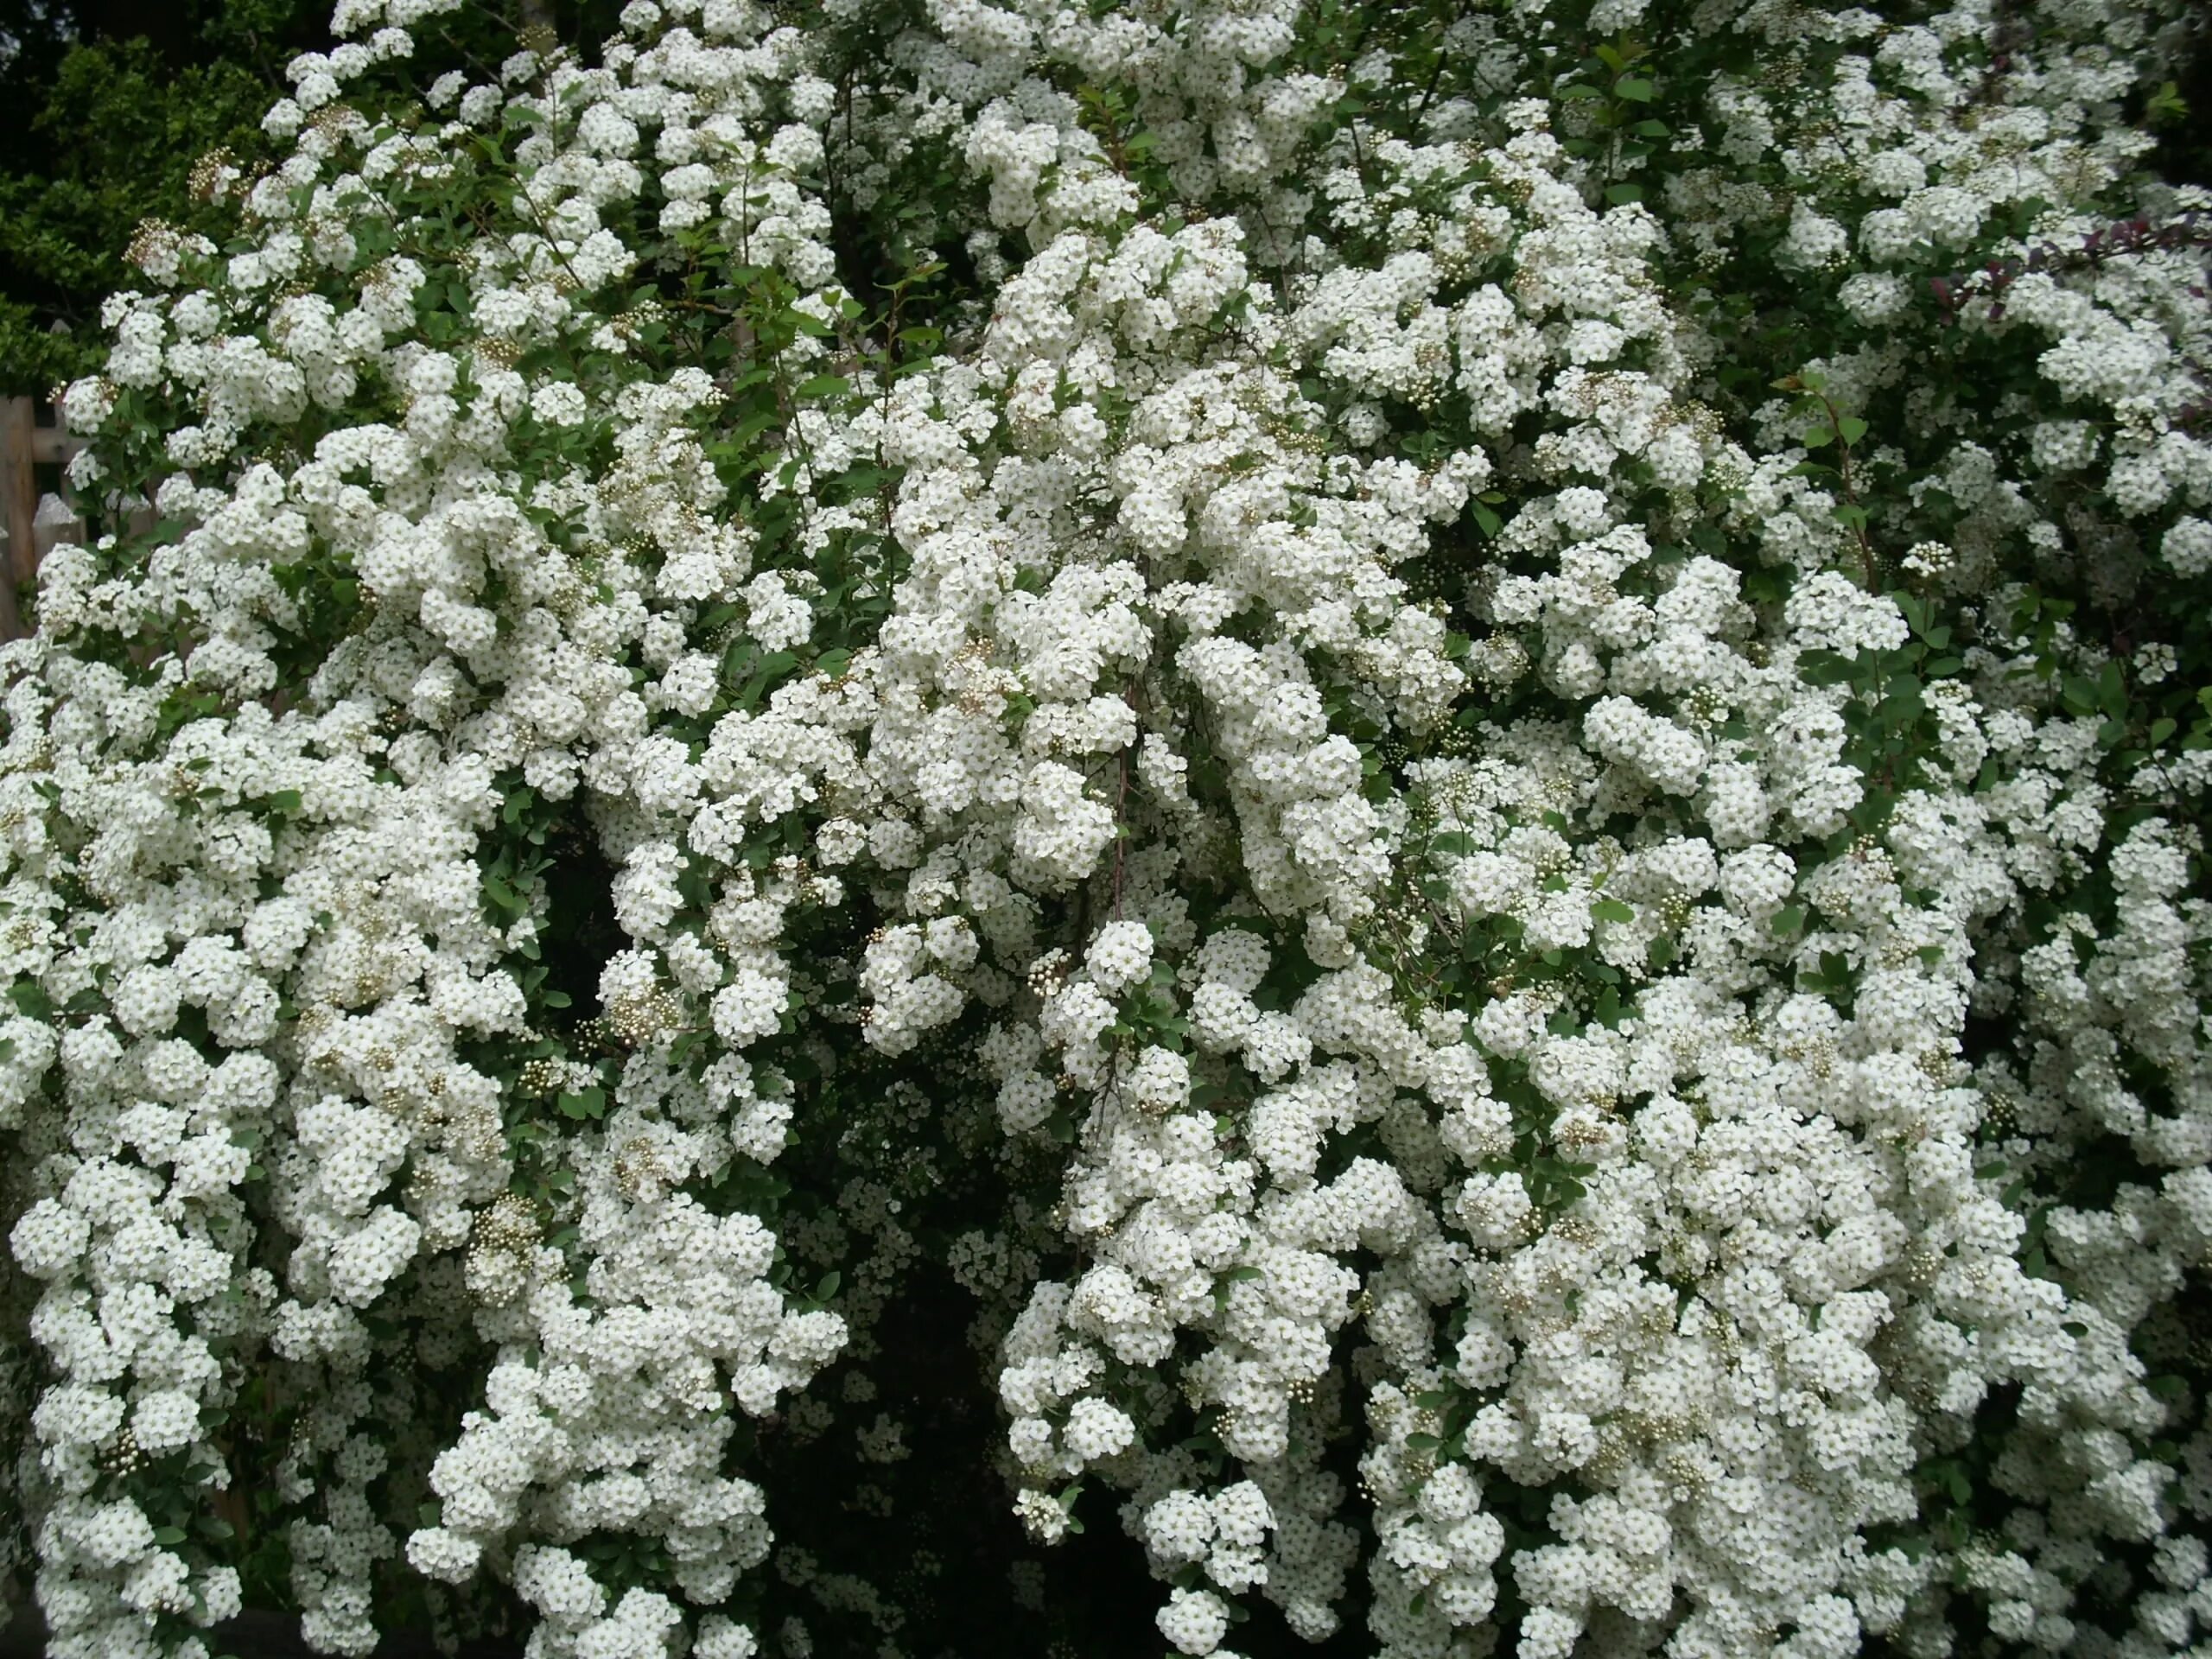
(18, 508)
(25, 446)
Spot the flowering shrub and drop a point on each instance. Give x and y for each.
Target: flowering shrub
(1406, 800)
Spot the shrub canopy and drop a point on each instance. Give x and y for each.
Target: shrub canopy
(1407, 799)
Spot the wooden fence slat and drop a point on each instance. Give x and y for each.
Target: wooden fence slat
(53, 446)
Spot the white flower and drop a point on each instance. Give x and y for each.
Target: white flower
(166, 1420)
(1119, 955)
(1194, 1621)
(1097, 1430)
(559, 403)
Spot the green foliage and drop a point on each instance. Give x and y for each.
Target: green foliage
(103, 118)
(106, 137)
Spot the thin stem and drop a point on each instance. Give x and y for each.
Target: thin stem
(1850, 493)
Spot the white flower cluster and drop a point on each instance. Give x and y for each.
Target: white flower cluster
(1583, 983)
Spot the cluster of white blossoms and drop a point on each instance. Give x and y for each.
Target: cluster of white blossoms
(1495, 716)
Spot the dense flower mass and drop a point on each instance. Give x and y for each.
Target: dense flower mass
(1410, 798)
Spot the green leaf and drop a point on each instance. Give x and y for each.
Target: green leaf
(588, 1103)
(1634, 88)
(1621, 194)
(1612, 910)
(823, 385)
